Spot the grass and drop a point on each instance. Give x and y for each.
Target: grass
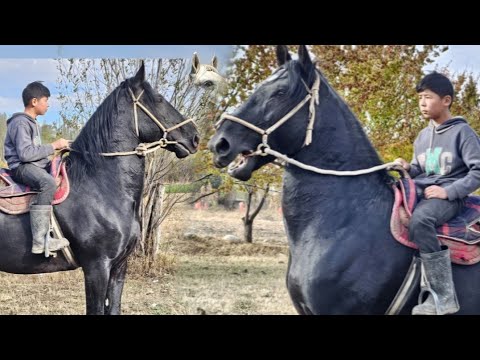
(234, 285)
(196, 274)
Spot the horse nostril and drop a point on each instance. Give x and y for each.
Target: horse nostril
(196, 141)
(222, 146)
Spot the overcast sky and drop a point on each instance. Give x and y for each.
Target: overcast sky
(22, 64)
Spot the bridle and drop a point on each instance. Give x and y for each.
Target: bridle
(264, 149)
(144, 148)
(312, 96)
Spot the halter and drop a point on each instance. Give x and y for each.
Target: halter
(312, 96)
(263, 149)
(144, 148)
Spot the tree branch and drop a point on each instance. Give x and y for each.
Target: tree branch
(257, 210)
(202, 196)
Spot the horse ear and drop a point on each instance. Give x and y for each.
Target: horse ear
(215, 62)
(140, 75)
(283, 55)
(304, 58)
(195, 63)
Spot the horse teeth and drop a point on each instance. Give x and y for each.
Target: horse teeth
(240, 161)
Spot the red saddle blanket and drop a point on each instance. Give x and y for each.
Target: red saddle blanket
(15, 198)
(461, 234)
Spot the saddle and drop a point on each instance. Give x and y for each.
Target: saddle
(15, 198)
(461, 234)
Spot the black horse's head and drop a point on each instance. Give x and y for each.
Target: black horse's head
(163, 116)
(276, 97)
(133, 113)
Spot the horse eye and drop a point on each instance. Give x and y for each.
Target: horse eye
(208, 83)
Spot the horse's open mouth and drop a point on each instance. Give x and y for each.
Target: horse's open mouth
(181, 150)
(242, 166)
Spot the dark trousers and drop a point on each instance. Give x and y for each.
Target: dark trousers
(38, 179)
(429, 214)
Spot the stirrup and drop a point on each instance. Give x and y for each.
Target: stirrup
(47, 252)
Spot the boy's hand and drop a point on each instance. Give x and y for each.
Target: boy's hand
(435, 192)
(405, 164)
(60, 144)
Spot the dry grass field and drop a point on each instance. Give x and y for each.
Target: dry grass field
(198, 273)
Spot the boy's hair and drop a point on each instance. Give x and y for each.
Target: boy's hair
(34, 90)
(438, 83)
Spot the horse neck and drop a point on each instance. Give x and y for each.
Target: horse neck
(122, 174)
(339, 143)
(127, 175)
(221, 87)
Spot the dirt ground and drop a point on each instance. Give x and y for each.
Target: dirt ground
(202, 273)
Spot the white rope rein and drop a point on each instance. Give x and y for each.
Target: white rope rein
(389, 166)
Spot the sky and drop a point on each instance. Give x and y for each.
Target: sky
(113, 51)
(460, 58)
(22, 64)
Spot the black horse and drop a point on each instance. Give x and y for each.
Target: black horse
(100, 217)
(343, 258)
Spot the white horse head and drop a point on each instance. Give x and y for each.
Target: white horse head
(207, 75)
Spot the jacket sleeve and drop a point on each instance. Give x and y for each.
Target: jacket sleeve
(26, 150)
(470, 152)
(415, 168)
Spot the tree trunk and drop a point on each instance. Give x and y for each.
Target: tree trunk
(157, 236)
(249, 217)
(248, 233)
